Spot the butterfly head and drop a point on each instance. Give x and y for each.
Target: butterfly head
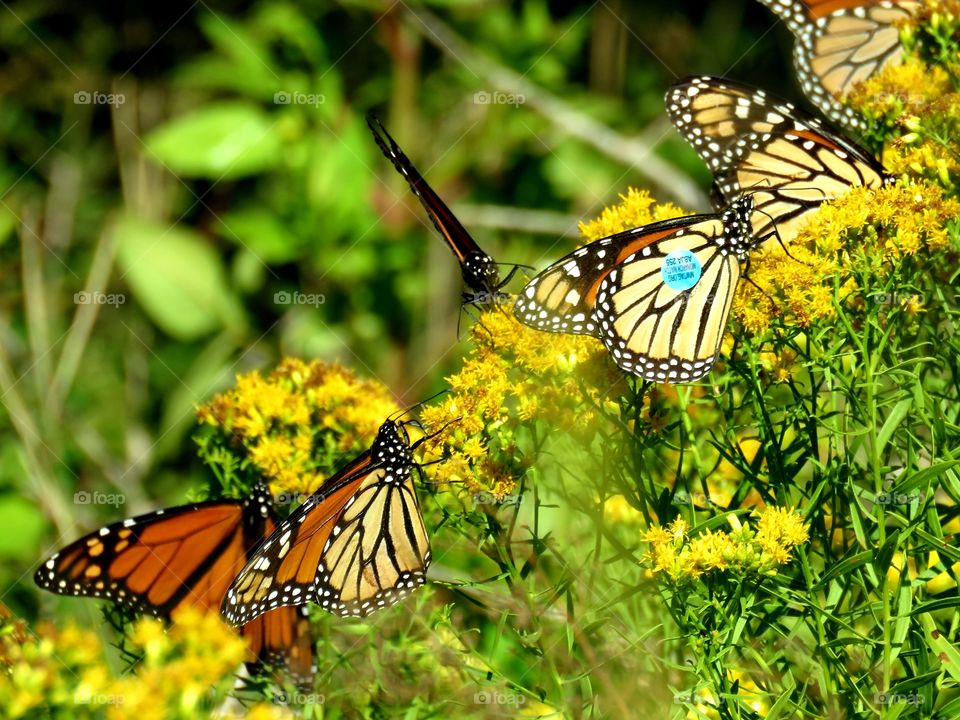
(480, 272)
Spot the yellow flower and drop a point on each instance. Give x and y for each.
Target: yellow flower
(739, 552)
(513, 376)
(869, 228)
(617, 509)
(635, 209)
(295, 424)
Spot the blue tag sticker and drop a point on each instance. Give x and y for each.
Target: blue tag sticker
(681, 270)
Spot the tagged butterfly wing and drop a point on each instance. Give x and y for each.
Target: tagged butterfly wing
(562, 298)
(841, 43)
(479, 270)
(661, 304)
(355, 546)
(166, 561)
(789, 161)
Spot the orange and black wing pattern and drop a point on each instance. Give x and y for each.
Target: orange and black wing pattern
(657, 296)
(841, 43)
(355, 546)
(162, 562)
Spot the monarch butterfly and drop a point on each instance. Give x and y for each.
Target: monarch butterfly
(168, 560)
(355, 546)
(658, 296)
(481, 275)
(841, 43)
(787, 159)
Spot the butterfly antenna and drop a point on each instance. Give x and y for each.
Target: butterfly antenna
(425, 438)
(393, 417)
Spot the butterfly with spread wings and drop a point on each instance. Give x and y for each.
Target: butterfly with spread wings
(355, 546)
(789, 161)
(658, 296)
(165, 561)
(481, 274)
(841, 43)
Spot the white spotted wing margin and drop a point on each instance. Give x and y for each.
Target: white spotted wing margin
(355, 546)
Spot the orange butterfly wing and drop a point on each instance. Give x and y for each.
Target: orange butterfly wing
(356, 545)
(165, 561)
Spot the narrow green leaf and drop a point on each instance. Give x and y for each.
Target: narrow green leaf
(894, 419)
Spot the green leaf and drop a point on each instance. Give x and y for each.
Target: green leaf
(940, 645)
(894, 419)
(902, 625)
(225, 140)
(23, 526)
(178, 279)
(920, 478)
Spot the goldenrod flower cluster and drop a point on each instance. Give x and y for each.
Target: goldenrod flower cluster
(865, 228)
(294, 424)
(743, 552)
(185, 672)
(636, 208)
(513, 377)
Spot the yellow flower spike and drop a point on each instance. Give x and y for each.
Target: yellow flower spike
(279, 419)
(636, 208)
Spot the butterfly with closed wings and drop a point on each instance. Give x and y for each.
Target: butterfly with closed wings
(355, 546)
(181, 557)
(841, 43)
(789, 161)
(481, 274)
(658, 296)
